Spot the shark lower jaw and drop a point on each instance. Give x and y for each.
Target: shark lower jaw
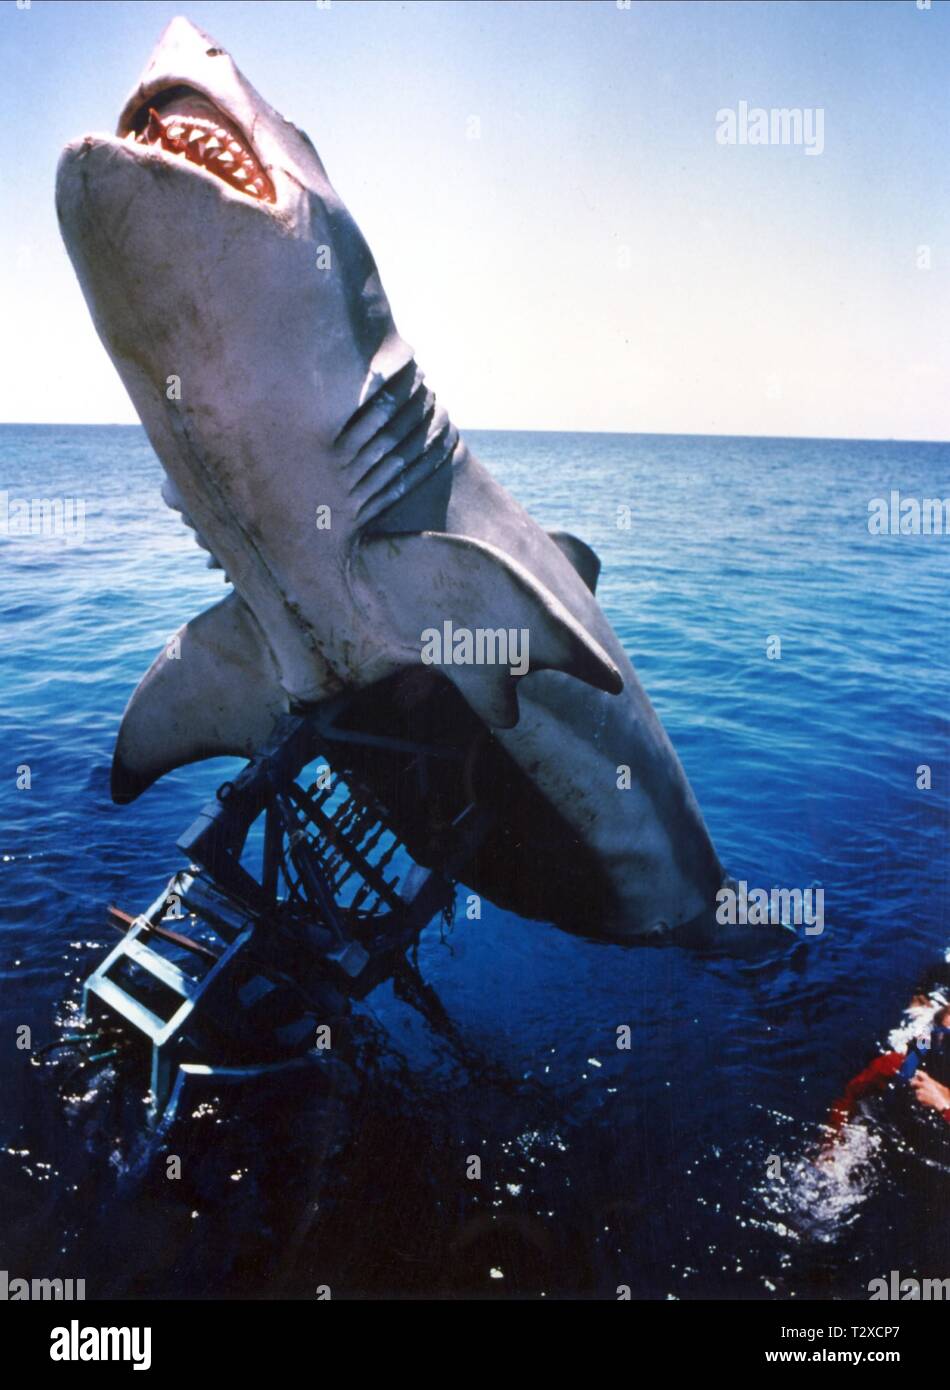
(174, 500)
(184, 125)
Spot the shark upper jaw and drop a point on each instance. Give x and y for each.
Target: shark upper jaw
(224, 130)
(179, 122)
(193, 103)
(188, 75)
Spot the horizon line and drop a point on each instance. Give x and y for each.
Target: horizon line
(522, 429)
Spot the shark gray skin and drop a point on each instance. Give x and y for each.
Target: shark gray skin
(261, 296)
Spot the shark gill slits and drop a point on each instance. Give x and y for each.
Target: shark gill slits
(184, 123)
(417, 409)
(423, 454)
(394, 442)
(378, 408)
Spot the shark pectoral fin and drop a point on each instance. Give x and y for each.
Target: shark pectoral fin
(584, 560)
(499, 620)
(213, 690)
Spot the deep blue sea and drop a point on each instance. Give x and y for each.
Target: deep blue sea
(652, 1167)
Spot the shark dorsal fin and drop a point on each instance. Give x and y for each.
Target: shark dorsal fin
(213, 690)
(426, 580)
(583, 559)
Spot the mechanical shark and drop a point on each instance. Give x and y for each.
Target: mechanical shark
(244, 313)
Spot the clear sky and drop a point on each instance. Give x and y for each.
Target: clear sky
(596, 259)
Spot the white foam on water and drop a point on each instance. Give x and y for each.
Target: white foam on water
(821, 1191)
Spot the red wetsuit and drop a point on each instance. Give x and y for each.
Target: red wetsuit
(873, 1078)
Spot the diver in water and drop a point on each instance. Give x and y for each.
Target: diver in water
(924, 1067)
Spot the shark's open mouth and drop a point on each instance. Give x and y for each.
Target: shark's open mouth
(188, 125)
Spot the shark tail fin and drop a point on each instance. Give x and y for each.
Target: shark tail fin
(430, 580)
(213, 690)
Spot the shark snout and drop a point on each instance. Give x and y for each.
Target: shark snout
(193, 103)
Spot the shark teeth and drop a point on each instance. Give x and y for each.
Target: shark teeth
(199, 140)
(173, 499)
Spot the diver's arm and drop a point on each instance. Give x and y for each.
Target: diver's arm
(931, 1093)
(872, 1078)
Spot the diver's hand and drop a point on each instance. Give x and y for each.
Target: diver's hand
(930, 1092)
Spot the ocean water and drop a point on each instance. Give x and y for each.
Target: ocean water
(652, 1167)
